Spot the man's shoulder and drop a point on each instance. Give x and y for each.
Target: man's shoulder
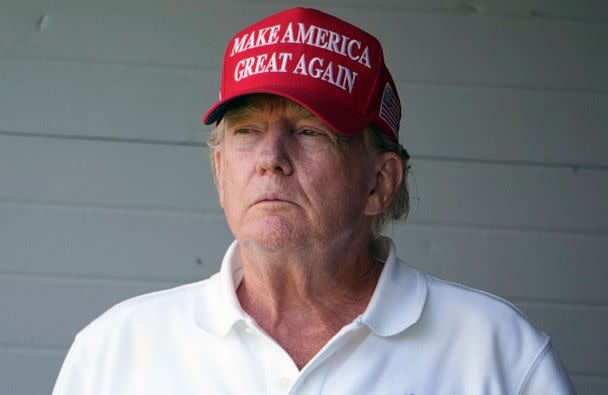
(478, 334)
(154, 308)
(463, 299)
(472, 314)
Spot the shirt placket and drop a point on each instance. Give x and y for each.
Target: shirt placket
(309, 381)
(279, 369)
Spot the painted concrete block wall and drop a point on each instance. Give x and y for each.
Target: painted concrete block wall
(106, 193)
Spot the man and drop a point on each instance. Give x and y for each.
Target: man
(310, 298)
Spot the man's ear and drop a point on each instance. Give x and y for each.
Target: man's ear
(219, 177)
(388, 176)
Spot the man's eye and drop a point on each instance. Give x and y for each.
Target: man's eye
(244, 131)
(311, 133)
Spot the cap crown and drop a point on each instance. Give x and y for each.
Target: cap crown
(323, 63)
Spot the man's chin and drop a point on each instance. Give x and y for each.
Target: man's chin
(274, 234)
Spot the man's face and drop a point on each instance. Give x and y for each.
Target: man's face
(284, 182)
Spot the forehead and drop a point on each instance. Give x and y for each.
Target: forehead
(262, 107)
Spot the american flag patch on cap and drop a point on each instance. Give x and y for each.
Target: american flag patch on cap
(390, 109)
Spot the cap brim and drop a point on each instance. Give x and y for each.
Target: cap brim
(343, 119)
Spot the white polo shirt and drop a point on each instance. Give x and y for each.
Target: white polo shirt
(419, 335)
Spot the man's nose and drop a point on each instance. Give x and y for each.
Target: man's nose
(273, 156)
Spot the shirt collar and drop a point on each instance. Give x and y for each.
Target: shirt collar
(399, 297)
(223, 309)
(395, 305)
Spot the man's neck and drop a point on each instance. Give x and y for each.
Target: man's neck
(303, 300)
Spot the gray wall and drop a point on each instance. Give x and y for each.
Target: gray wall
(105, 191)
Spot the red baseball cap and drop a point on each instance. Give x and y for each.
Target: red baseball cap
(330, 67)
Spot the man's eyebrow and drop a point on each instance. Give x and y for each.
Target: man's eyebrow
(244, 120)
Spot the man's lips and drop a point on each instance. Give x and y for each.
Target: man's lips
(272, 199)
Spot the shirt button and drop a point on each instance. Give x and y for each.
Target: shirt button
(285, 383)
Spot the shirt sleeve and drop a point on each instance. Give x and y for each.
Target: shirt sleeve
(71, 380)
(547, 376)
